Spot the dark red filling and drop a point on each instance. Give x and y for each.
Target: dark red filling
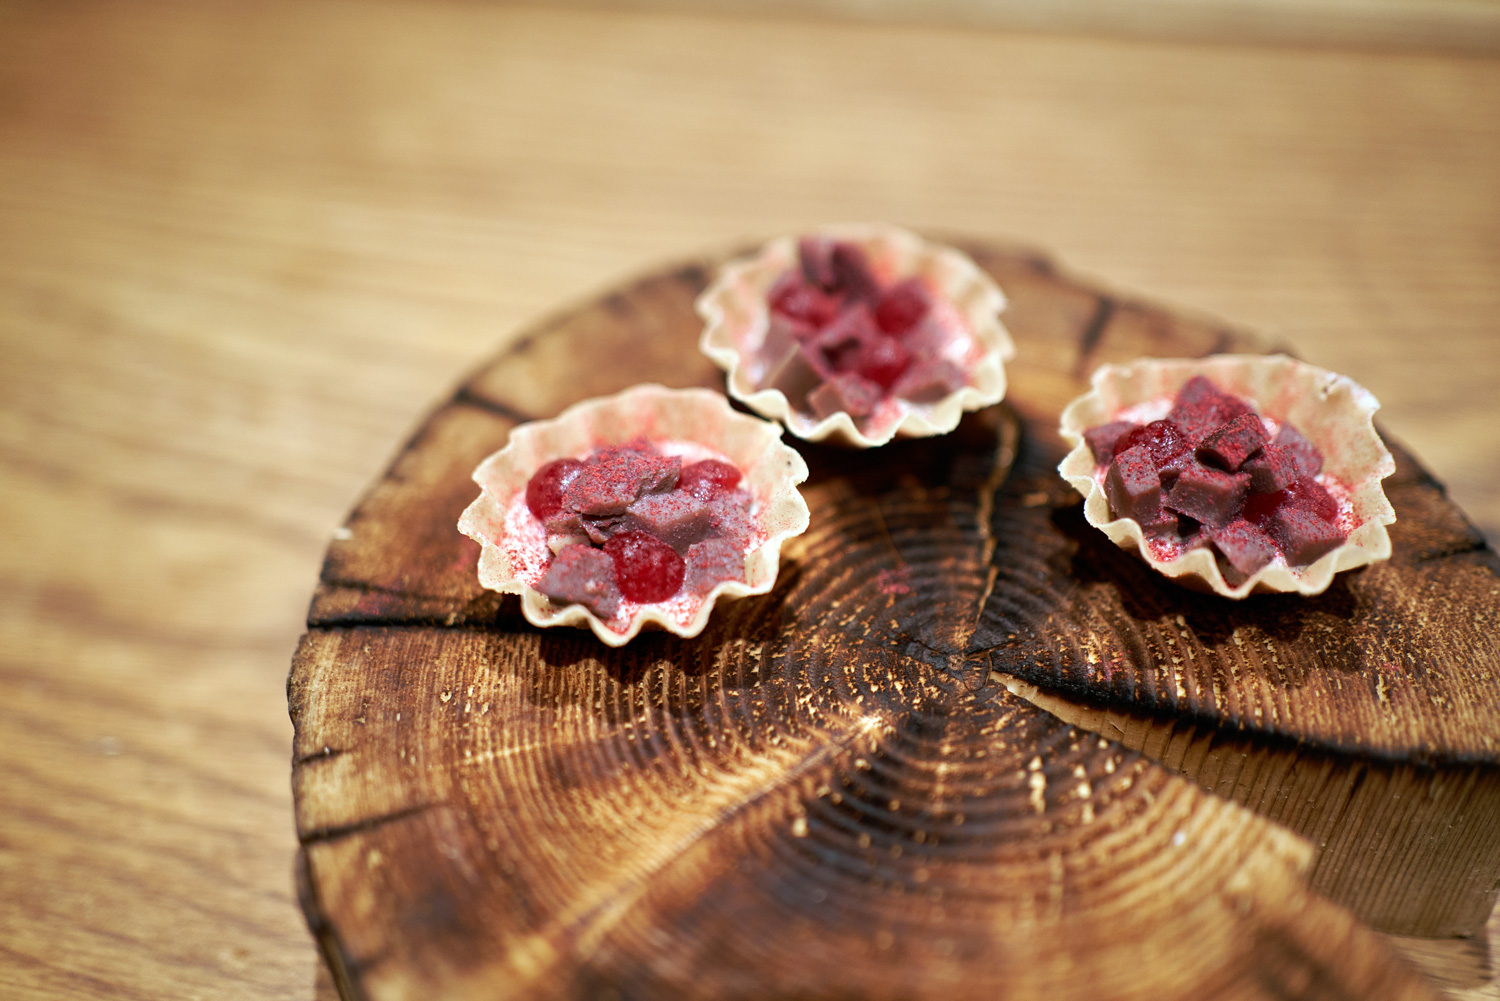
(630, 523)
(838, 340)
(1208, 474)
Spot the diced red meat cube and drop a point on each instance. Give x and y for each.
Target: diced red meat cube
(1132, 485)
(584, 575)
(929, 381)
(544, 491)
(800, 301)
(1101, 439)
(1201, 406)
(845, 391)
(1273, 468)
(1302, 535)
(711, 562)
(1309, 459)
(646, 568)
(1229, 445)
(614, 477)
(902, 306)
(1245, 546)
(709, 478)
(1211, 496)
(678, 518)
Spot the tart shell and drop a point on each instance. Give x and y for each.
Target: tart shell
(737, 318)
(1331, 410)
(700, 417)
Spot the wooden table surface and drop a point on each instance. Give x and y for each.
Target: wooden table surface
(244, 247)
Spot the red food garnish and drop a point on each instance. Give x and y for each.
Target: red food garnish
(1210, 461)
(1164, 439)
(902, 306)
(646, 568)
(796, 299)
(708, 479)
(545, 488)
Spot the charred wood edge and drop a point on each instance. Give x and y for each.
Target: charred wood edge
(345, 971)
(1067, 703)
(1087, 698)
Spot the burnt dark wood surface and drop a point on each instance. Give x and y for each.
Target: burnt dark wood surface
(847, 787)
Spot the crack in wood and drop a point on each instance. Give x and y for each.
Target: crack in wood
(467, 396)
(1093, 333)
(335, 832)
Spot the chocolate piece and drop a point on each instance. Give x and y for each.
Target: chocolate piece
(795, 375)
(1164, 438)
(1309, 493)
(1133, 487)
(840, 343)
(845, 391)
(712, 561)
(929, 381)
(1302, 535)
(600, 528)
(678, 518)
(1309, 459)
(851, 269)
(815, 259)
(1273, 468)
(729, 514)
(1229, 445)
(1245, 546)
(1102, 439)
(1200, 407)
(1208, 495)
(614, 477)
(584, 575)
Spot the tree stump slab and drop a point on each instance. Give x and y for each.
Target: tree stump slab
(965, 748)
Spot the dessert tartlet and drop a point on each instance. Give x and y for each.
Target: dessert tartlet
(635, 509)
(857, 334)
(1235, 473)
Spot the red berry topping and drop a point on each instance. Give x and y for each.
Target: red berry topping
(545, 488)
(902, 307)
(646, 568)
(708, 479)
(797, 300)
(882, 360)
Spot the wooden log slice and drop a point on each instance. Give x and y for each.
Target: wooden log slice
(965, 748)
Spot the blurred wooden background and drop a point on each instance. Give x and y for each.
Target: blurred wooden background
(244, 246)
